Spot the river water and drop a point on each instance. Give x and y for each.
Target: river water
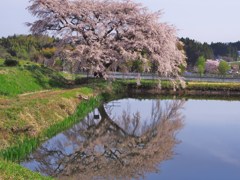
(147, 139)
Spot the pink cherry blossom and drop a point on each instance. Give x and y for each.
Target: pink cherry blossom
(103, 35)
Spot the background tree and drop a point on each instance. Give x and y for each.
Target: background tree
(3, 52)
(106, 34)
(223, 68)
(227, 51)
(211, 66)
(25, 47)
(194, 49)
(201, 62)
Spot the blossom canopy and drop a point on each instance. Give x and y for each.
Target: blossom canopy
(103, 35)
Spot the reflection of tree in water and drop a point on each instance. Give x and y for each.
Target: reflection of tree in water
(108, 148)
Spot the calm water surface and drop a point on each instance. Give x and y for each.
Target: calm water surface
(147, 139)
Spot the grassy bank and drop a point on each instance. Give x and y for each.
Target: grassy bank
(21, 149)
(166, 85)
(34, 105)
(213, 86)
(28, 78)
(191, 87)
(28, 115)
(28, 120)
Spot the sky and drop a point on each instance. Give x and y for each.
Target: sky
(202, 20)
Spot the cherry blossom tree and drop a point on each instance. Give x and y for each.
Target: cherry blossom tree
(211, 66)
(103, 35)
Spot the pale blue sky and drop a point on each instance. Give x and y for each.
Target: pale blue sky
(203, 20)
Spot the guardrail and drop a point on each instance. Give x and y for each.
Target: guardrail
(187, 77)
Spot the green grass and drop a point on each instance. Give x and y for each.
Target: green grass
(87, 91)
(13, 171)
(145, 84)
(14, 81)
(20, 151)
(28, 78)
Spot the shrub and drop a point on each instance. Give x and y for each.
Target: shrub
(48, 52)
(11, 62)
(81, 80)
